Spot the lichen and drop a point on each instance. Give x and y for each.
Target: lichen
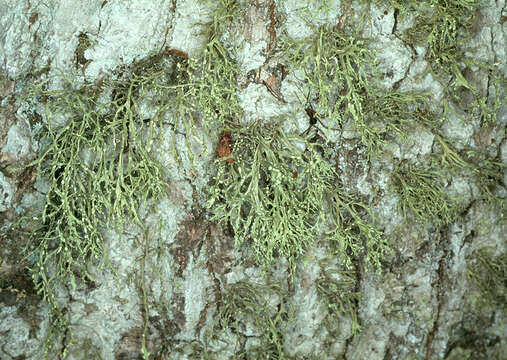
(99, 170)
(339, 70)
(275, 195)
(446, 26)
(336, 69)
(421, 194)
(489, 274)
(251, 304)
(338, 289)
(487, 172)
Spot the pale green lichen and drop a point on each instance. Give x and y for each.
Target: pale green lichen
(336, 69)
(420, 188)
(99, 169)
(420, 194)
(280, 195)
(489, 274)
(213, 81)
(486, 171)
(338, 289)
(446, 26)
(205, 93)
(250, 304)
(339, 72)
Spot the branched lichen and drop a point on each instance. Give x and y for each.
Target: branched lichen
(421, 194)
(489, 274)
(486, 171)
(445, 26)
(99, 170)
(393, 115)
(204, 87)
(337, 68)
(339, 71)
(214, 75)
(246, 304)
(338, 289)
(275, 194)
(271, 193)
(352, 232)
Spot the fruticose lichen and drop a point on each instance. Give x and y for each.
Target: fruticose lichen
(280, 195)
(489, 274)
(251, 304)
(96, 160)
(421, 194)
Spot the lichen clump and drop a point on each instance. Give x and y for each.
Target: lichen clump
(254, 304)
(276, 194)
(97, 162)
(421, 194)
(489, 274)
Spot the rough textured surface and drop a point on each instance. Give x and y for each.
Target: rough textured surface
(181, 288)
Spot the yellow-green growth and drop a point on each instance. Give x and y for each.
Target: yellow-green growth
(214, 72)
(203, 89)
(246, 304)
(421, 194)
(446, 26)
(339, 292)
(99, 169)
(276, 194)
(273, 192)
(352, 232)
(489, 273)
(337, 68)
(394, 114)
(487, 172)
(339, 71)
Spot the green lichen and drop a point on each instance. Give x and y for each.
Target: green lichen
(96, 160)
(339, 71)
(247, 304)
(486, 171)
(204, 92)
(420, 188)
(446, 26)
(280, 195)
(421, 194)
(336, 69)
(489, 274)
(338, 289)
(213, 81)
(352, 232)
(272, 193)
(393, 115)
